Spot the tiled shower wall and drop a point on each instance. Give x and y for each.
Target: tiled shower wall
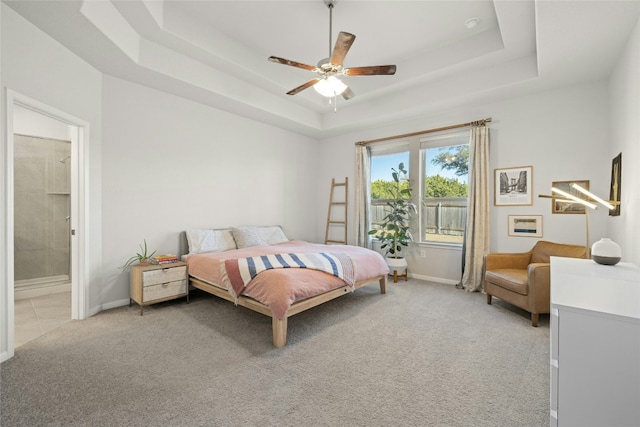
(42, 194)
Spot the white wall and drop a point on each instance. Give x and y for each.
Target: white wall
(561, 133)
(625, 138)
(5, 312)
(170, 164)
(35, 65)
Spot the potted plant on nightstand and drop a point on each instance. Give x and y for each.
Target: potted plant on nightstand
(394, 232)
(143, 257)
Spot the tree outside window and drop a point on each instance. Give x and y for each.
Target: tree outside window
(446, 189)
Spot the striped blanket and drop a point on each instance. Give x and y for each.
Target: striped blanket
(240, 271)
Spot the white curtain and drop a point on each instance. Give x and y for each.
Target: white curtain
(363, 195)
(477, 229)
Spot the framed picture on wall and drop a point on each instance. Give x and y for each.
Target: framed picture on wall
(525, 225)
(616, 185)
(513, 186)
(562, 207)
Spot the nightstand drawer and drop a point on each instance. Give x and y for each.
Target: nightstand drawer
(150, 284)
(164, 275)
(164, 290)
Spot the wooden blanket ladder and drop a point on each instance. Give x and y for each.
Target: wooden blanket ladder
(336, 219)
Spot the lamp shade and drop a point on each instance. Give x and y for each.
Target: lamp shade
(331, 86)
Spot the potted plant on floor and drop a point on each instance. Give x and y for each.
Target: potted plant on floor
(394, 232)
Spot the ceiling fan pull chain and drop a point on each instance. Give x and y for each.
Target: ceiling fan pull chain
(334, 101)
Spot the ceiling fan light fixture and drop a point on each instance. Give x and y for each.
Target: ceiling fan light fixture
(330, 86)
(327, 84)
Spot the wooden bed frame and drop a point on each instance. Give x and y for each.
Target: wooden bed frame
(279, 326)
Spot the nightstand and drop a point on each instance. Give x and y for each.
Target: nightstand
(155, 283)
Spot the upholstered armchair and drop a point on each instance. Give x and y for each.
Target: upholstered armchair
(523, 279)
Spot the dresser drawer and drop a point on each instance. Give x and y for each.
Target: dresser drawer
(164, 290)
(164, 275)
(150, 284)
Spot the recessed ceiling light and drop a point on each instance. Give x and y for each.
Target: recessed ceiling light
(471, 22)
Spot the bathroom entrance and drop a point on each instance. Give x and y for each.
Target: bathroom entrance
(42, 195)
(42, 213)
(47, 253)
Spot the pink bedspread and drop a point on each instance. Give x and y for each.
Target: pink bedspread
(279, 288)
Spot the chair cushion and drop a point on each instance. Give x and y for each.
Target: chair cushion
(542, 251)
(514, 280)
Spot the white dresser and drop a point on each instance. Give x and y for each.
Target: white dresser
(595, 344)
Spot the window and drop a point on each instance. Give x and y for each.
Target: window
(439, 178)
(445, 166)
(382, 160)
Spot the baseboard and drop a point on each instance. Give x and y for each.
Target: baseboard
(115, 304)
(4, 356)
(93, 311)
(108, 306)
(41, 291)
(434, 279)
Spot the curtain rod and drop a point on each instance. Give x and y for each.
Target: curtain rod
(406, 135)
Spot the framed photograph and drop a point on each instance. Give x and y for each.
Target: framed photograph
(525, 225)
(560, 207)
(616, 184)
(513, 186)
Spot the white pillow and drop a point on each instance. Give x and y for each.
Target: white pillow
(202, 240)
(273, 234)
(248, 236)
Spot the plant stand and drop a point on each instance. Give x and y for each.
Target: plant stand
(396, 275)
(397, 265)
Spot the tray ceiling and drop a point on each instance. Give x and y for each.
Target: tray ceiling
(215, 52)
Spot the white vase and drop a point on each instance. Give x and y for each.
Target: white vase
(605, 251)
(397, 264)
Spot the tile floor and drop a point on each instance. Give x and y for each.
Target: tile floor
(34, 317)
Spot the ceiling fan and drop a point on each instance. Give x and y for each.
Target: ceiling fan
(327, 83)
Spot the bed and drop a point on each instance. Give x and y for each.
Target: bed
(260, 269)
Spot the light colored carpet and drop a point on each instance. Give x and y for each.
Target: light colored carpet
(422, 355)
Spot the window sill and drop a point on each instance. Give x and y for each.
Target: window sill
(433, 245)
(440, 245)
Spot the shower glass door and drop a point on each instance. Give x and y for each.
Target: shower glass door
(42, 183)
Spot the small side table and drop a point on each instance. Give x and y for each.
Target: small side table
(150, 284)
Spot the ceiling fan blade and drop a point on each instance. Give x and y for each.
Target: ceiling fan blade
(375, 70)
(303, 86)
(291, 63)
(343, 44)
(348, 94)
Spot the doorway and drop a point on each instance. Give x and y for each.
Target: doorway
(41, 232)
(42, 204)
(49, 255)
